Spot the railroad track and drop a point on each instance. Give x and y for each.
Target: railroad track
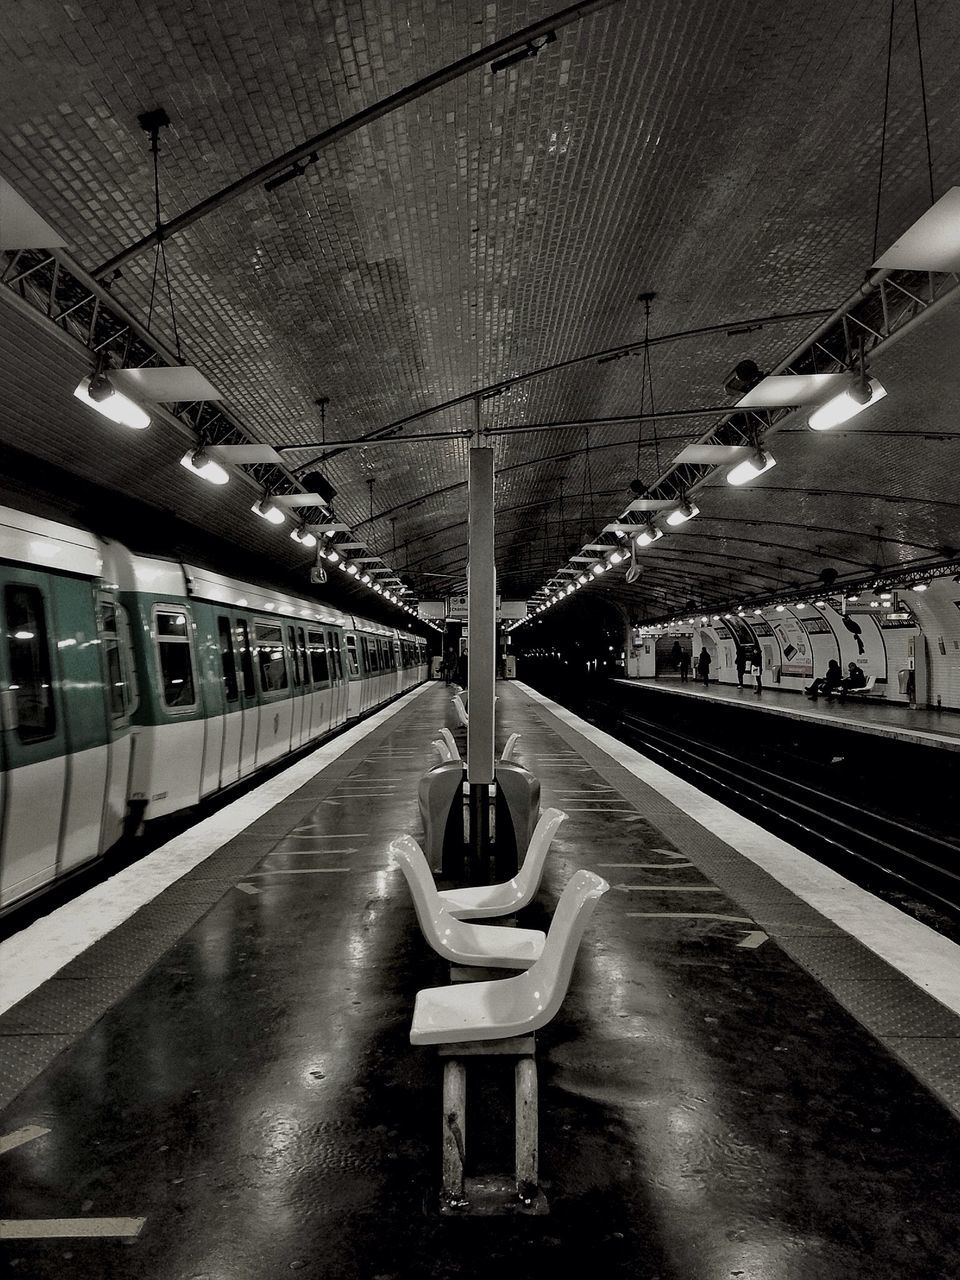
(889, 857)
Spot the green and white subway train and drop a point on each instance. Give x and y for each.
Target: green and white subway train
(132, 687)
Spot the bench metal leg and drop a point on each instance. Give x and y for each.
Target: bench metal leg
(525, 1089)
(454, 1130)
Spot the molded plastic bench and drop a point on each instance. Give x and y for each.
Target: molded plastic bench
(460, 710)
(483, 901)
(451, 742)
(482, 945)
(513, 1006)
(500, 1017)
(443, 751)
(864, 688)
(507, 754)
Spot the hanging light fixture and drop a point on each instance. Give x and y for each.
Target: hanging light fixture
(861, 393)
(650, 534)
(680, 515)
(750, 468)
(303, 536)
(198, 461)
(268, 511)
(99, 393)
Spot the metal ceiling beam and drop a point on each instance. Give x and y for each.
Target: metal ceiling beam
(309, 149)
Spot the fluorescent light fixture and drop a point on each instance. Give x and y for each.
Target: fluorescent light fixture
(648, 535)
(919, 586)
(821, 604)
(201, 465)
(750, 468)
(686, 511)
(266, 510)
(597, 569)
(304, 537)
(583, 579)
(801, 605)
(365, 579)
(100, 395)
(615, 557)
(853, 597)
(779, 608)
(332, 556)
(570, 589)
(844, 406)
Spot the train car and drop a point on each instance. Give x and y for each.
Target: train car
(134, 686)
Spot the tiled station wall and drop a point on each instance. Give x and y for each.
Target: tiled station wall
(937, 611)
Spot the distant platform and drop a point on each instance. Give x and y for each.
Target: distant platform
(907, 724)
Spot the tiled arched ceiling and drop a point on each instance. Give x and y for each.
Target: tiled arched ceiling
(724, 156)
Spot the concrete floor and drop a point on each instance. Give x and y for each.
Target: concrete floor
(707, 1109)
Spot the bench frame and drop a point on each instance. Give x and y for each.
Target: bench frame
(489, 1196)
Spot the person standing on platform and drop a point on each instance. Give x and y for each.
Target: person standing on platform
(757, 657)
(703, 666)
(741, 664)
(684, 664)
(676, 653)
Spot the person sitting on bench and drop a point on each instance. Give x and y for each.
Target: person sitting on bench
(855, 680)
(826, 684)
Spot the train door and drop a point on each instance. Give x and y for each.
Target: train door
(121, 700)
(33, 738)
(309, 732)
(320, 677)
(233, 711)
(249, 705)
(296, 690)
(276, 703)
(339, 690)
(354, 679)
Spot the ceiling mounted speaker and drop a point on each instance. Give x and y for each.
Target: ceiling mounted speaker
(318, 483)
(742, 378)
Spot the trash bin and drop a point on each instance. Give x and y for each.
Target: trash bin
(905, 678)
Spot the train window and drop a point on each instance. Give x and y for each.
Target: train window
(176, 659)
(271, 660)
(353, 666)
(246, 659)
(295, 654)
(336, 661)
(318, 658)
(113, 659)
(29, 654)
(304, 660)
(228, 662)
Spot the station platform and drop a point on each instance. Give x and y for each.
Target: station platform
(206, 1069)
(919, 725)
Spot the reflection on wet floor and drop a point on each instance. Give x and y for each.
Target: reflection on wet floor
(707, 1110)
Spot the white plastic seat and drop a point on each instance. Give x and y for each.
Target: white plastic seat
(507, 754)
(512, 1006)
(482, 945)
(460, 710)
(483, 901)
(451, 742)
(443, 750)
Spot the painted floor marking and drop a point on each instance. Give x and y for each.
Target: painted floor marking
(647, 866)
(300, 871)
(685, 915)
(9, 1141)
(926, 957)
(668, 888)
(312, 853)
(754, 939)
(60, 1228)
(34, 954)
(329, 835)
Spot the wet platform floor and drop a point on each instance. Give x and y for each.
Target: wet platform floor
(707, 1108)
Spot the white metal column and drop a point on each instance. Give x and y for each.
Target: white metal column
(481, 621)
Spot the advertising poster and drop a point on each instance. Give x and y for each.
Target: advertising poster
(794, 644)
(741, 632)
